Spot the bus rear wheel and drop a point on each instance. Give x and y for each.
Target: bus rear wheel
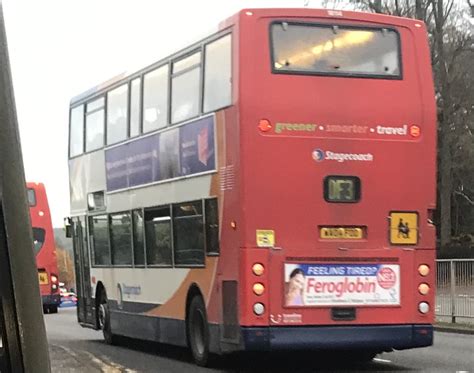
(198, 331)
(104, 320)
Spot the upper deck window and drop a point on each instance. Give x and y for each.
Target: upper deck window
(95, 125)
(335, 50)
(217, 74)
(31, 197)
(76, 139)
(155, 99)
(135, 88)
(117, 101)
(185, 88)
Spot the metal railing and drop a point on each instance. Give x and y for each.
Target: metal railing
(455, 290)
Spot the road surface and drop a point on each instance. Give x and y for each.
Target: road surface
(74, 349)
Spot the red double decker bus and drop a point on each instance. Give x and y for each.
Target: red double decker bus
(44, 247)
(270, 187)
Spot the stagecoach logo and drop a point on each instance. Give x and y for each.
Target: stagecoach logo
(320, 155)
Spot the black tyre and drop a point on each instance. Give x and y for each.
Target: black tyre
(103, 317)
(198, 331)
(53, 309)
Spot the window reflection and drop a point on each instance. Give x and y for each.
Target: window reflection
(335, 50)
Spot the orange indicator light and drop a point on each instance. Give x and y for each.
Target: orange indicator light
(258, 269)
(258, 288)
(423, 270)
(423, 288)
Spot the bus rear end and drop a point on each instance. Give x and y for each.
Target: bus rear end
(44, 247)
(338, 166)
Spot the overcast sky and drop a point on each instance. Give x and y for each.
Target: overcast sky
(60, 48)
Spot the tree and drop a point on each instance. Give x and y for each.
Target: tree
(66, 267)
(452, 50)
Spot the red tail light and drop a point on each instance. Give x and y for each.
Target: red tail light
(264, 125)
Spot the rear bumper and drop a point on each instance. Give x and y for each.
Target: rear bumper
(373, 337)
(51, 300)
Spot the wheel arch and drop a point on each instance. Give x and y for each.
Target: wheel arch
(193, 291)
(100, 288)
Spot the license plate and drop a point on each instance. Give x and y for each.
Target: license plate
(43, 278)
(339, 233)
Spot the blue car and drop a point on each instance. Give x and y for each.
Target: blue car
(68, 299)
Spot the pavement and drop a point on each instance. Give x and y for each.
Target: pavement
(454, 328)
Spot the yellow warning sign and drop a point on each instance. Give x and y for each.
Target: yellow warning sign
(265, 238)
(404, 228)
(43, 278)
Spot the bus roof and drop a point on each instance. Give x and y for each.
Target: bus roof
(259, 12)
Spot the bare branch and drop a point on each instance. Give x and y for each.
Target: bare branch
(471, 202)
(397, 8)
(471, 6)
(419, 9)
(434, 9)
(447, 11)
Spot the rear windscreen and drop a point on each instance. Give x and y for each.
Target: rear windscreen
(335, 50)
(38, 239)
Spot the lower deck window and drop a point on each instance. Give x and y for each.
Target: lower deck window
(212, 226)
(138, 238)
(99, 234)
(121, 238)
(180, 235)
(188, 233)
(158, 237)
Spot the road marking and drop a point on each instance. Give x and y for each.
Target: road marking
(121, 368)
(108, 366)
(68, 350)
(382, 360)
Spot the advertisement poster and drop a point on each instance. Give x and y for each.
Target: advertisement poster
(341, 285)
(181, 151)
(197, 147)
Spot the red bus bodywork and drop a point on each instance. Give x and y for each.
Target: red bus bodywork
(282, 140)
(280, 170)
(44, 246)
